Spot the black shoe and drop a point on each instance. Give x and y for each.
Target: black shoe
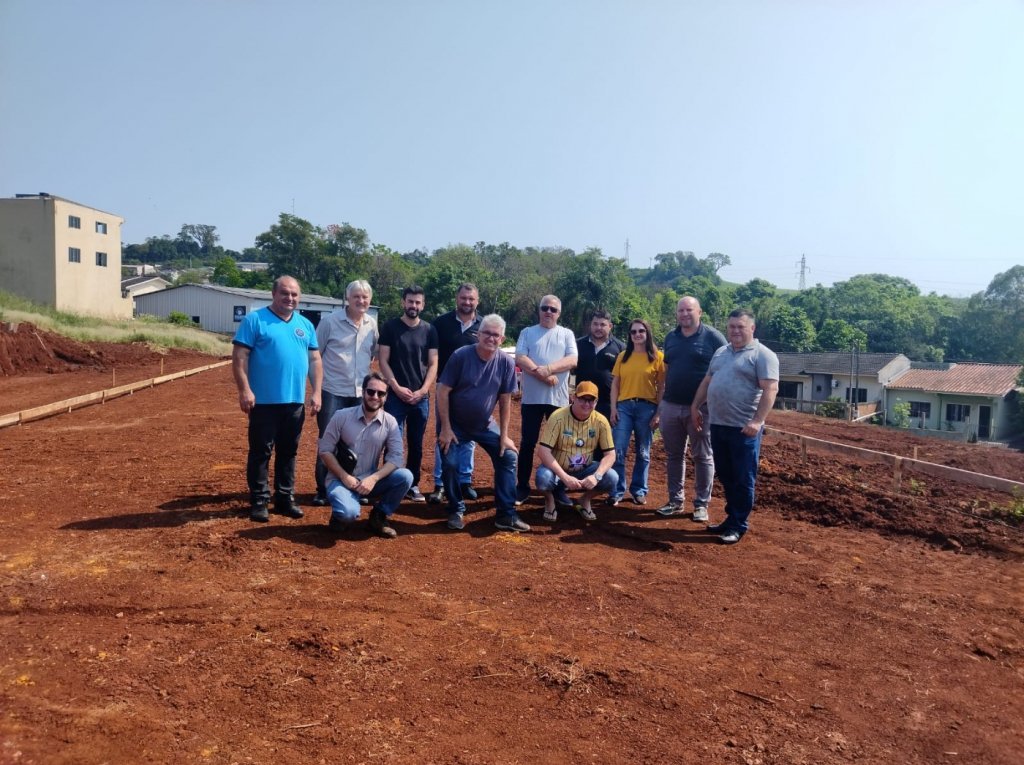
(336, 525)
(258, 512)
(717, 528)
(468, 492)
(522, 495)
(379, 524)
(320, 500)
(286, 506)
(436, 497)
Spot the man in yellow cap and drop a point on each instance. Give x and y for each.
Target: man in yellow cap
(576, 453)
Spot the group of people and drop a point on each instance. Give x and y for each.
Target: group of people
(702, 390)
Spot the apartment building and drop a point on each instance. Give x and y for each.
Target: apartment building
(63, 254)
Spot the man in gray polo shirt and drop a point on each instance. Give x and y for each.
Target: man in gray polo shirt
(740, 389)
(688, 351)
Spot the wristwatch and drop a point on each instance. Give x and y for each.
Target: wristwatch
(599, 476)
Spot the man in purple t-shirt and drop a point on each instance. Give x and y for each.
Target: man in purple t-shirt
(475, 379)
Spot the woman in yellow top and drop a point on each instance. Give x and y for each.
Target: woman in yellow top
(638, 380)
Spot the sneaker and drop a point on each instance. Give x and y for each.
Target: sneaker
(700, 514)
(730, 538)
(639, 499)
(551, 516)
(522, 495)
(364, 500)
(586, 513)
(562, 497)
(415, 495)
(614, 501)
(379, 524)
(320, 500)
(436, 497)
(717, 528)
(670, 509)
(258, 512)
(286, 506)
(468, 492)
(455, 522)
(511, 523)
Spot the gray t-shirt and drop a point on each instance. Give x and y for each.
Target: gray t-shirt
(546, 346)
(734, 392)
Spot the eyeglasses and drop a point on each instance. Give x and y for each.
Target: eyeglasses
(586, 399)
(548, 309)
(490, 334)
(638, 331)
(375, 393)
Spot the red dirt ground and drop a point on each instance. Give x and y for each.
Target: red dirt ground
(146, 620)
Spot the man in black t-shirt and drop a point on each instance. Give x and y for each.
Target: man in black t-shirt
(456, 329)
(407, 353)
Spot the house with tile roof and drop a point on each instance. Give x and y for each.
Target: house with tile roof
(857, 378)
(976, 400)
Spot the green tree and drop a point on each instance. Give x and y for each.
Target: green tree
(838, 335)
(226, 272)
(785, 328)
(753, 295)
(294, 246)
(591, 281)
(992, 327)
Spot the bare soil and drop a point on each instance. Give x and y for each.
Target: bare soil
(146, 620)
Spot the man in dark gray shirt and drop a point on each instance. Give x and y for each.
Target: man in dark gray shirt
(688, 351)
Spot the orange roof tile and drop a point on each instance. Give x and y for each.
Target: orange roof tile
(972, 379)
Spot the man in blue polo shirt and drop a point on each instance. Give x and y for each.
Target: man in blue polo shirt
(275, 351)
(688, 351)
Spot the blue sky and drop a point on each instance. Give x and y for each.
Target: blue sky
(870, 136)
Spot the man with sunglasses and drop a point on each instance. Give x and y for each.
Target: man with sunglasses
(574, 437)
(545, 352)
(475, 379)
(369, 432)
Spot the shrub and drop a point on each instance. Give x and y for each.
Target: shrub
(901, 414)
(181, 319)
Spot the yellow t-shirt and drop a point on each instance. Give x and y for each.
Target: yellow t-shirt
(575, 443)
(638, 377)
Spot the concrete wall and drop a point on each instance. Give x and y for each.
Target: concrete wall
(35, 240)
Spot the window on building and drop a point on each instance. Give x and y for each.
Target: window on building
(921, 409)
(101, 259)
(74, 221)
(860, 393)
(789, 389)
(101, 228)
(958, 412)
(74, 255)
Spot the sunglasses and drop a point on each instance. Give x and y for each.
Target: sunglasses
(548, 309)
(638, 331)
(375, 393)
(587, 399)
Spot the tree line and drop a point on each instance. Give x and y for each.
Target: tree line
(873, 312)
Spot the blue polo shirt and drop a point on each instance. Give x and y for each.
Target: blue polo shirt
(279, 355)
(476, 385)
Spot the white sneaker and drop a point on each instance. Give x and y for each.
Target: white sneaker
(700, 514)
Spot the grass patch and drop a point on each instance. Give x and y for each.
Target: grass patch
(88, 329)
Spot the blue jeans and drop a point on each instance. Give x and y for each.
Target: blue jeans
(504, 463)
(736, 458)
(547, 481)
(466, 453)
(388, 492)
(634, 421)
(329, 404)
(414, 418)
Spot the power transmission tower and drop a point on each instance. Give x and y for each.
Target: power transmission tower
(627, 252)
(803, 272)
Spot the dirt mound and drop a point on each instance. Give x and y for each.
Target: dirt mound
(27, 349)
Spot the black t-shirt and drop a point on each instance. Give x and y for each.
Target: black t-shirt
(409, 350)
(686, 362)
(450, 336)
(596, 365)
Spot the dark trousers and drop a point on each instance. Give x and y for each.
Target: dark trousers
(413, 417)
(736, 459)
(329, 404)
(533, 416)
(277, 428)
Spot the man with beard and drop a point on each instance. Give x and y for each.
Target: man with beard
(597, 353)
(456, 329)
(369, 432)
(348, 343)
(407, 352)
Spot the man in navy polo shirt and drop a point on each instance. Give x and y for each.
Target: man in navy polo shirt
(275, 351)
(688, 351)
